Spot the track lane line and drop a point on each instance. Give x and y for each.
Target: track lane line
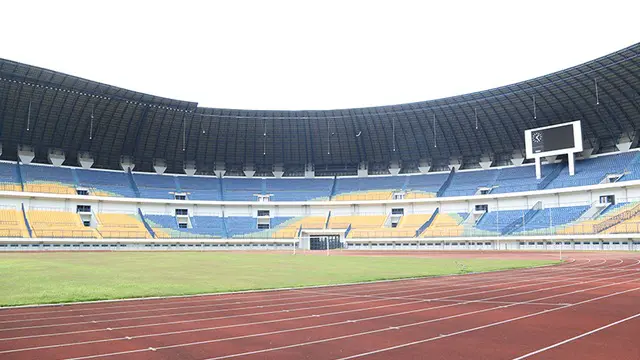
(577, 337)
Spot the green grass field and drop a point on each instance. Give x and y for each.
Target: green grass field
(34, 278)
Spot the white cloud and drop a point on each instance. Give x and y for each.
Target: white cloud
(313, 55)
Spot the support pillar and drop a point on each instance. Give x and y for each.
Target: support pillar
(85, 159)
(249, 170)
(126, 163)
(424, 166)
(190, 167)
(160, 166)
(219, 169)
(56, 156)
(394, 168)
(278, 170)
(309, 171)
(363, 169)
(26, 154)
(572, 160)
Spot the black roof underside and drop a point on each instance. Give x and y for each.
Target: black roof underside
(47, 109)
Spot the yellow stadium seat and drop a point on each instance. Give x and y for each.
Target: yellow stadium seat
(361, 196)
(46, 223)
(124, 226)
(10, 187)
(444, 225)
(52, 188)
(290, 229)
(591, 226)
(12, 224)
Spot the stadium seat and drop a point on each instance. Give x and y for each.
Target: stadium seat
(593, 170)
(48, 179)
(154, 186)
(446, 225)
(12, 224)
(58, 224)
(8, 177)
(105, 183)
(112, 225)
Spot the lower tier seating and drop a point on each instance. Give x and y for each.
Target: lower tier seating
(58, 224)
(446, 225)
(124, 226)
(592, 226)
(12, 224)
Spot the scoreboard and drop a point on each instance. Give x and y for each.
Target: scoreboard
(553, 140)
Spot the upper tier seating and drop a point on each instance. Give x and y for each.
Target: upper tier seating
(239, 189)
(64, 180)
(9, 177)
(593, 170)
(58, 224)
(522, 178)
(12, 223)
(298, 189)
(154, 186)
(48, 179)
(418, 186)
(633, 169)
(467, 182)
(105, 183)
(200, 188)
(125, 226)
(369, 188)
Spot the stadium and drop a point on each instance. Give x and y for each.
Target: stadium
(543, 170)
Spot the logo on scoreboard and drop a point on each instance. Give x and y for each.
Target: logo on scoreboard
(537, 137)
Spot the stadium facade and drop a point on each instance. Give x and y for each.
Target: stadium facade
(88, 165)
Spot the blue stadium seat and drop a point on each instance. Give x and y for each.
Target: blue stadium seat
(593, 170)
(240, 189)
(114, 183)
(466, 183)
(299, 189)
(552, 217)
(200, 188)
(154, 186)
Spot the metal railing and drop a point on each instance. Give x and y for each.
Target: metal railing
(11, 233)
(617, 219)
(59, 233)
(115, 234)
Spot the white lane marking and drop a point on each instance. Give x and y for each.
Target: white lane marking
(578, 337)
(476, 328)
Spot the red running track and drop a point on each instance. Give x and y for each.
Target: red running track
(587, 308)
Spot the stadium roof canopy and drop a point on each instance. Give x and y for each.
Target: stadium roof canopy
(47, 109)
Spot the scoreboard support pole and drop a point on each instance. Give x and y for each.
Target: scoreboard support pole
(572, 168)
(538, 168)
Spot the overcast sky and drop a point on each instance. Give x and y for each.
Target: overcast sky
(312, 54)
